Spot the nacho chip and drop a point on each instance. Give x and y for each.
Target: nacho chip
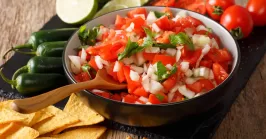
(40, 116)
(46, 138)
(5, 127)
(8, 116)
(12, 128)
(24, 132)
(59, 120)
(93, 132)
(6, 105)
(76, 107)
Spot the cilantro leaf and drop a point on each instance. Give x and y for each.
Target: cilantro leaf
(160, 14)
(164, 45)
(170, 73)
(161, 70)
(181, 38)
(87, 68)
(88, 36)
(131, 48)
(160, 97)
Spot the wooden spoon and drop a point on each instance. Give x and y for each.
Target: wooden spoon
(33, 104)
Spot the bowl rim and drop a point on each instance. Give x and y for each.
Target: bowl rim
(232, 73)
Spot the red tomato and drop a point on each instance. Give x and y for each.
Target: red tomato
(131, 85)
(169, 83)
(140, 92)
(206, 84)
(120, 74)
(149, 56)
(191, 56)
(119, 22)
(168, 11)
(104, 94)
(225, 65)
(215, 8)
(153, 99)
(85, 76)
(93, 64)
(177, 97)
(219, 55)
(131, 14)
(164, 59)
(130, 98)
(165, 37)
(167, 3)
(123, 94)
(219, 73)
(193, 5)
(206, 63)
(116, 97)
(158, 98)
(195, 87)
(110, 51)
(165, 23)
(238, 21)
(110, 71)
(78, 77)
(88, 56)
(257, 9)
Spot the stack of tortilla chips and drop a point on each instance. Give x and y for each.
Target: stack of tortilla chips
(76, 121)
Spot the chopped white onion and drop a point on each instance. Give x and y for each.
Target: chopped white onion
(148, 103)
(169, 66)
(154, 77)
(152, 50)
(145, 68)
(198, 94)
(150, 71)
(101, 32)
(189, 31)
(182, 13)
(189, 73)
(137, 69)
(116, 67)
(130, 27)
(151, 18)
(76, 63)
(146, 83)
(214, 43)
(134, 76)
(128, 60)
(170, 96)
(201, 72)
(186, 92)
(184, 66)
(83, 56)
(155, 87)
(211, 76)
(97, 91)
(137, 102)
(174, 89)
(155, 27)
(162, 51)
(140, 58)
(98, 61)
(204, 51)
(118, 31)
(200, 40)
(170, 51)
(133, 36)
(139, 15)
(178, 55)
(201, 27)
(143, 99)
(190, 80)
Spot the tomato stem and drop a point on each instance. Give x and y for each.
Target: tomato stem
(218, 10)
(237, 33)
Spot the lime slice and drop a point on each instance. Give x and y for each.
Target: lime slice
(76, 11)
(109, 8)
(128, 3)
(143, 2)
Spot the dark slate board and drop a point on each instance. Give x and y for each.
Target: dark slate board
(201, 126)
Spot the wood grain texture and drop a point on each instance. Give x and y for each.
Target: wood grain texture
(246, 119)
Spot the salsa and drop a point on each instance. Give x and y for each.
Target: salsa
(162, 57)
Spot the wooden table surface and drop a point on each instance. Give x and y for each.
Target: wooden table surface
(246, 119)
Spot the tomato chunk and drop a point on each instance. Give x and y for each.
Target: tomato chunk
(140, 92)
(131, 14)
(164, 59)
(130, 98)
(131, 85)
(219, 73)
(165, 23)
(169, 83)
(119, 22)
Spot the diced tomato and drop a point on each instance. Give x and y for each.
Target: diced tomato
(169, 83)
(193, 5)
(219, 55)
(177, 97)
(78, 77)
(165, 37)
(110, 51)
(206, 63)
(225, 66)
(116, 97)
(140, 92)
(123, 94)
(195, 87)
(104, 94)
(131, 85)
(153, 99)
(165, 23)
(120, 74)
(94, 50)
(192, 56)
(206, 84)
(167, 3)
(164, 59)
(219, 73)
(131, 14)
(194, 22)
(130, 98)
(119, 22)
(93, 64)
(148, 56)
(168, 11)
(110, 71)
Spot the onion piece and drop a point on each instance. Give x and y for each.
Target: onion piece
(83, 56)
(155, 27)
(184, 66)
(152, 50)
(140, 58)
(170, 96)
(139, 15)
(155, 87)
(134, 76)
(130, 27)
(116, 67)
(146, 83)
(74, 69)
(151, 18)
(143, 99)
(201, 27)
(204, 51)
(170, 51)
(178, 55)
(137, 69)
(186, 92)
(76, 61)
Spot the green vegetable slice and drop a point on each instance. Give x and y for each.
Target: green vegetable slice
(87, 68)
(160, 97)
(88, 36)
(131, 48)
(164, 45)
(162, 72)
(160, 14)
(181, 38)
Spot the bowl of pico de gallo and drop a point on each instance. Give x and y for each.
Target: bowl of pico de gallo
(175, 63)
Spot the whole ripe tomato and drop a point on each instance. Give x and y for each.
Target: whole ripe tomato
(238, 21)
(193, 5)
(257, 9)
(215, 8)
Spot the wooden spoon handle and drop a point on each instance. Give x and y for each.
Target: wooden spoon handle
(39, 102)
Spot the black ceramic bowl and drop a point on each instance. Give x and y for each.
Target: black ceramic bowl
(154, 115)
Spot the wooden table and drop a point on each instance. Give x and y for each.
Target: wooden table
(246, 119)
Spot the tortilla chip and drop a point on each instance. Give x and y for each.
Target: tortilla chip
(5, 127)
(59, 120)
(13, 127)
(46, 138)
(6, 105)
(76, 107)
(93, 132)
(24, 132)
(40, 116)
(8, 116)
